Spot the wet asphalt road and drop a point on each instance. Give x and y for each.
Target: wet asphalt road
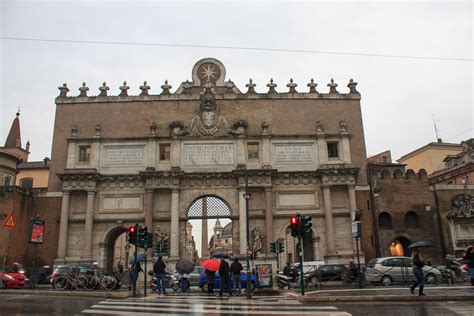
(13, 305)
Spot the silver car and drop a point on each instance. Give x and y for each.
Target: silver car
(387, 270)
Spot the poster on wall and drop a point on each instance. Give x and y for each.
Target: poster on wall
(36, 231)
(264, 275)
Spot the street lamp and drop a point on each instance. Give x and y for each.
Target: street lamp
(247, 197)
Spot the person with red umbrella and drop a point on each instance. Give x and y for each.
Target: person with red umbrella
(211, 266)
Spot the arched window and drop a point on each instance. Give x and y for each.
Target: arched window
(411, 220)
(26, 183)
(385, 221)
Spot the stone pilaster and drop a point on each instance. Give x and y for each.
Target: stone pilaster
(174, 230)
(329, 221)
(63, 226)
(149, 215)
(242, 223)
(269, 217)
(89, 224)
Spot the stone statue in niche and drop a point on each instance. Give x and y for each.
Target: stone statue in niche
(160, 236)
(257, 239)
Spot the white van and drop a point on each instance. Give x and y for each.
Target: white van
(309, 266)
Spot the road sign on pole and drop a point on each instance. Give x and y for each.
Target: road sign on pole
(10, 221)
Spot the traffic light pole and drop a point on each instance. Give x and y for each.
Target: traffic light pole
(247, 197)
(300, 253)
(145, 272)
(277, 248)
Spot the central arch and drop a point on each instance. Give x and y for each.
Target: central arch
(204, 212)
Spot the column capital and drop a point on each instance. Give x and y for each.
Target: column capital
(351, 185)
(66, 192)
(268, 189)
(175, 190)
(149, 190)
(326, 186)
(91, 192)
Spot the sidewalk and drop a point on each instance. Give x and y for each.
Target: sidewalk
(47, 290)
(387, 294)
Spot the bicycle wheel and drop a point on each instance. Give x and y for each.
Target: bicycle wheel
(81, 281)
(107, 283)
(60, 282)
(91, 283)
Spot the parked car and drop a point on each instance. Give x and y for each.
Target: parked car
(326, 273)
(217, 282)
(386, 270)
(15, 281)
(309, 266)
(194, 276)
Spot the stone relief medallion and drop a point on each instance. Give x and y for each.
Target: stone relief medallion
(464, 204)
(208, 72)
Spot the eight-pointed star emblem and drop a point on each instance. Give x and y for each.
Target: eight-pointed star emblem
(209, 72)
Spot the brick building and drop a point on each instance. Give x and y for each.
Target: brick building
(118, 160)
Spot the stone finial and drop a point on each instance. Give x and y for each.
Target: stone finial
(332, 86)
(271, 86)
(63, 91)
(343, 126)
(153, 127)
(352, 86)
(312, 86)
(230, 85)
(319, 128)
(83, 90)
(187, 87)
(74, 131)
(145, 87)
(251, 87)
(166, 88)
(98, 130)
(292, 86)
(264, 126)
(103, 90)
(123, 90)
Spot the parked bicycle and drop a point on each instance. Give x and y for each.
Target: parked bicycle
(100, 280)
(68, 280)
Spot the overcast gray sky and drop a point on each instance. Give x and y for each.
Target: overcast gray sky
(399, 95)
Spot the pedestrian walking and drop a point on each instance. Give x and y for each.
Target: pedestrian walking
(135, 270)
(224, 271)
(160, 274)
(184, 282)
(210, 279)
(418, 265)
(468, 258)
(235, 269)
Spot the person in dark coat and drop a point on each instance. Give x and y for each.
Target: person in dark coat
(159, 268)
(468, 258)
(235, 269)
(210, 280)
(418, 265)
(224, 271)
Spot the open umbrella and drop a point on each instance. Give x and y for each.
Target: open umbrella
(420, 244)
(140, 257)
(221, 255)
(211, 264)
(185, 266)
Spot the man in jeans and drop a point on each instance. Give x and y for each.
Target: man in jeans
(160, 273)
(235, 269)
(224, 271)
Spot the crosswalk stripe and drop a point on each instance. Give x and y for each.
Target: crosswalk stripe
(98, 309)
(224, 305)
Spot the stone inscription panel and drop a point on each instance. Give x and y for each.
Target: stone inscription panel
(123, 155)
(293, 153)
(208, 154)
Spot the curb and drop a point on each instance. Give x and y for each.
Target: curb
(121, 294)
(386, 298)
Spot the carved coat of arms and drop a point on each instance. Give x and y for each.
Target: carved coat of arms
(464, 204)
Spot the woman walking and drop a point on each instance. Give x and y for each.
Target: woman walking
(210, 279)
(468, 258)
(418, 265)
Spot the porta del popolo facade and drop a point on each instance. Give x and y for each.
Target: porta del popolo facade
(121, 160)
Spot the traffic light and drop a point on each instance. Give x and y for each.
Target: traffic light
(132, 235)
(295, 225)
(149, 240)
(252, 254)
(142, 233)
(273, 247)
(281, 246)
(306, 225)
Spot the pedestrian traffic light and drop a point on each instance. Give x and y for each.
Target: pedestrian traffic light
(273, 247)
(295, 225)
(281, 246)
(132, 235)
(306, 225)
(149, 240)
(141, 233)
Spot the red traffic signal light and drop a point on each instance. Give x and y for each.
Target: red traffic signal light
(132, 235)
(131, 229)
(294, 220)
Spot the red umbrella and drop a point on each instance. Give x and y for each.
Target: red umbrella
(211, 264)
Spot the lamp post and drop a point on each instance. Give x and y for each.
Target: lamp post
(247, 197)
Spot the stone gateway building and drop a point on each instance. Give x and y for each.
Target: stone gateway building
(151, 159)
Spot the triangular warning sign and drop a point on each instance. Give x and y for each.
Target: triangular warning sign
(9, 222)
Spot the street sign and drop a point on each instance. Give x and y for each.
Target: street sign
(356, 229)
(9, 222)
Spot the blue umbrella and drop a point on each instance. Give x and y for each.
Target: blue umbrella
(221, 255)
(140, 257)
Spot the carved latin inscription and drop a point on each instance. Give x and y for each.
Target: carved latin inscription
(291, 153)
(123, 155)
(208, 154)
